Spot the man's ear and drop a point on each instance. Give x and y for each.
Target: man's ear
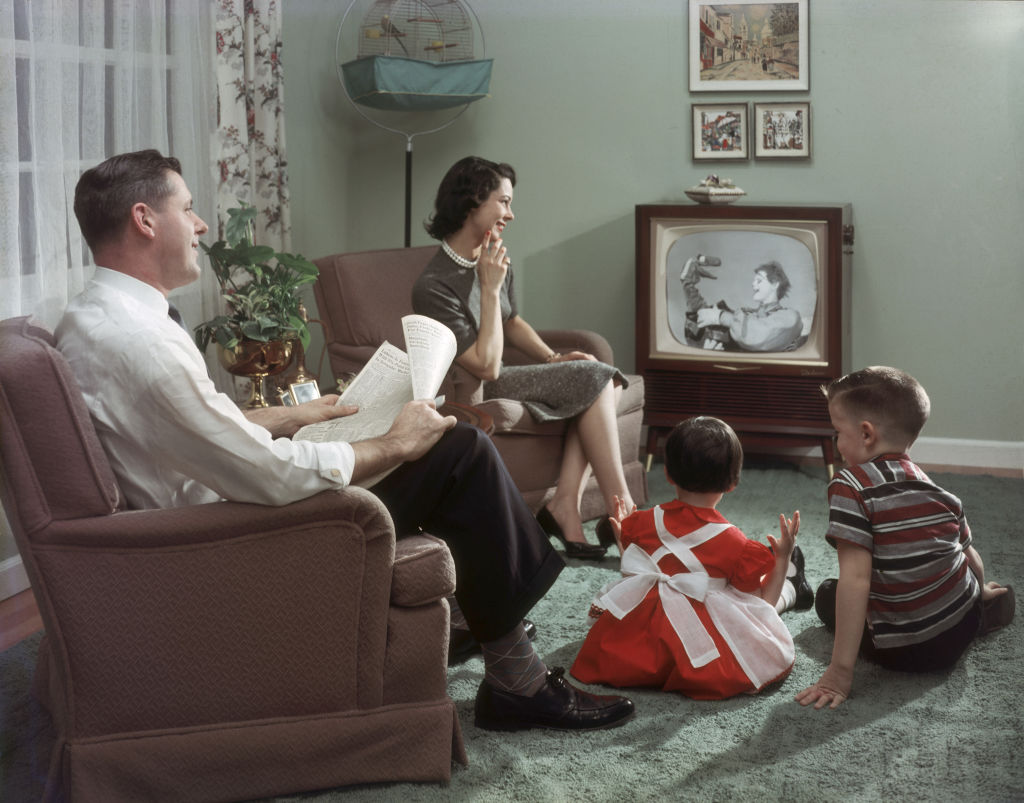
(142, 220)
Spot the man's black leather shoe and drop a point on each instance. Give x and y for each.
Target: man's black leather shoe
(462, 644)
(558, 705)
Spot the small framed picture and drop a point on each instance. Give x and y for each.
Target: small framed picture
(782, 130)
(748, 45)
(720, 131)
(304, 391)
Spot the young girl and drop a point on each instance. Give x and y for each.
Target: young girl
(695, 609)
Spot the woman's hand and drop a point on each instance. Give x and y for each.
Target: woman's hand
(572, 355)
(493, 264)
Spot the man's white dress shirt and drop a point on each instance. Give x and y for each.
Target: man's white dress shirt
(171, 437)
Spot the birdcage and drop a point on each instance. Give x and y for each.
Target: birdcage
(416, 55)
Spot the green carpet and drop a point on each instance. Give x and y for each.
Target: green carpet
(954, 736)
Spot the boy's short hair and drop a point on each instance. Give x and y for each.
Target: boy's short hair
(889, 398)
(704, 455)
(106, 193)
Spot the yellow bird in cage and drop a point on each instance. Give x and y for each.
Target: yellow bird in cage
(392, 31)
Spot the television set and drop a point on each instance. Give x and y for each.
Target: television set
(742, 312)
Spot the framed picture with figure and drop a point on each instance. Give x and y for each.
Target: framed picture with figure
(304, 391)
(748, 45)
(782, 130)
(720, 132)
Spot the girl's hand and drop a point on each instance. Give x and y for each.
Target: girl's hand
(621, 512)
(788, 528)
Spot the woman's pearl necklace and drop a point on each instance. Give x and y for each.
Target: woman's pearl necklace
(462, 262)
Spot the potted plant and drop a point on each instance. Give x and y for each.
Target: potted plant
(259, 287)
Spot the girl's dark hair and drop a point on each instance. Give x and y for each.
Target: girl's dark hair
(106, 193)
(467, 184)
(704, 455)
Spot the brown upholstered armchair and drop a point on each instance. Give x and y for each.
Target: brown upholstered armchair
(361, 299)
(223, 651)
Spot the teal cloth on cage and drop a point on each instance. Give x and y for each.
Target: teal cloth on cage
(400, 84)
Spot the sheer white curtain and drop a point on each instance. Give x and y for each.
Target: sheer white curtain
(81, 80)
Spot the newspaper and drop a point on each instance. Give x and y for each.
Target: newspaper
(389, 380)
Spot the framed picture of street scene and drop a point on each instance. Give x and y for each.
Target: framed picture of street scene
(748, 45)
(720, 132)
(782, 130)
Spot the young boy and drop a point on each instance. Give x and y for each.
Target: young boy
(911, 593)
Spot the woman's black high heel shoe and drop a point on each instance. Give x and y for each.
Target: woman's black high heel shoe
(573, 549)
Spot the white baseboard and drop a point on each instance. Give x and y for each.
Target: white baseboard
(13, 579)
(956, 452)
(952, 454)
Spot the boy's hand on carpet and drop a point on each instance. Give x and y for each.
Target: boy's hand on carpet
(991, 590)
(831, 689)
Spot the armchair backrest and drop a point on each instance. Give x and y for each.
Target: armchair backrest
(362, 297)
(52, 465)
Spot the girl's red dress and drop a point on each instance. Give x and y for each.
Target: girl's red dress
(749, 646)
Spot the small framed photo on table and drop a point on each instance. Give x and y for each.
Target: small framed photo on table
(304, 391)
(720, 132)
(782, 130)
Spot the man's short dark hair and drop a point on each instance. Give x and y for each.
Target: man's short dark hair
(704, 455)
(889, 398)
(106, 193)
(467, 184)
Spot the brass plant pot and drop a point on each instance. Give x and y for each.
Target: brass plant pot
(257, 360)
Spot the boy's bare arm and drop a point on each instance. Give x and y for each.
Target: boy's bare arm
(851, 610)
(989, 589)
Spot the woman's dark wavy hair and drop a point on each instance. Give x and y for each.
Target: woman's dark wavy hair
(774, 273)
(106, 193)
(704, 455)
(467, 184)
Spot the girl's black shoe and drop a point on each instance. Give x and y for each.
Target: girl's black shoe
(573, 549)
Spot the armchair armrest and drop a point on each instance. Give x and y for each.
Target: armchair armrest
(235, 612)
(567, 340)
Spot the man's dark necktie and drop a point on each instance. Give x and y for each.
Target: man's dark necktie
(174, 315)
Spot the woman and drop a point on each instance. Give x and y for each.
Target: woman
(767, 327)
(468, 287)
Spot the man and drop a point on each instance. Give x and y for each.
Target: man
(174, 440)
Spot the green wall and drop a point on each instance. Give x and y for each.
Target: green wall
(917, 111)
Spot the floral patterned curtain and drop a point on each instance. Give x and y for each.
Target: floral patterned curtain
(250, 138)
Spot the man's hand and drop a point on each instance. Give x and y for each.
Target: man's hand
(283, 422)
(831, 689)
(417, 428)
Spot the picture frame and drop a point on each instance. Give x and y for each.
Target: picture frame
(749, 45)
(285, 398)
(304, 391)
(782, 130)
(720, 132)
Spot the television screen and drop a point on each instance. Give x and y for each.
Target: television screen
(744, 291)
